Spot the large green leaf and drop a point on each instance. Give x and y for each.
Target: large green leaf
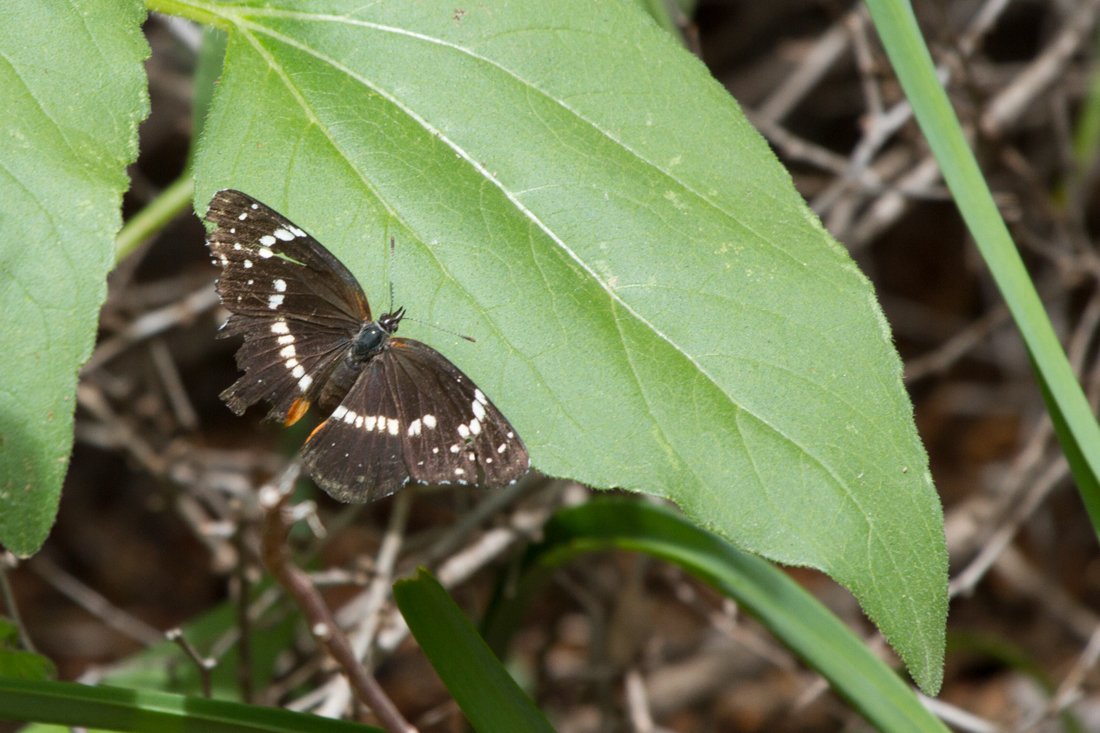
(655, 306)
(74, 91)
(490, 699)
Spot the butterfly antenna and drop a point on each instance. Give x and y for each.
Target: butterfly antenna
(393, 259)
(440, 328)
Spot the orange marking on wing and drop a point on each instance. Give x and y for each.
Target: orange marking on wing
(296, 411)
(315, 430)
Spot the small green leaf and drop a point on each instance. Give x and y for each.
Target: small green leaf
(487, 695)
(74, 92)
(22, 665)
(654, 305)
(9, 632)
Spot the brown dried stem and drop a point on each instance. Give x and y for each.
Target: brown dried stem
(276, 555)
(204, 664)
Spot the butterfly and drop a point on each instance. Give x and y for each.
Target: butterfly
(397, 408)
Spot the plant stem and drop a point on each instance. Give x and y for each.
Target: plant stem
(13, 610)
(322, 625)
(155, 215)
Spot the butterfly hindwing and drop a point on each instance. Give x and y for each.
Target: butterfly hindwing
(411, 414)
(448, 418)
(356, 454)
(295, 304)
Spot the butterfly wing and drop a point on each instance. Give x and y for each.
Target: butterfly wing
(296, 305)
(412, 414)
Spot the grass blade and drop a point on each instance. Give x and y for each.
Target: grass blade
(489, 697)
(795, 617)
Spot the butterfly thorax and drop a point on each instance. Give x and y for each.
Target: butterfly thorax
(373, 335)
(366, 345)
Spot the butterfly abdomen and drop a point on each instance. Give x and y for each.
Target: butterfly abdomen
(340, 382)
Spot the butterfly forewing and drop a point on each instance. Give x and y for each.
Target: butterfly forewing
(411, 415)
(295, 304)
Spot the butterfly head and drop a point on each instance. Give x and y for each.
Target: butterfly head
(389, 321)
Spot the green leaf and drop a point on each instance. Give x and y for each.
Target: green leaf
(109, 708)
(26, 665)
(74, 91)
(9, 632)
(208, 70)
(487, 695)
(1073, 418)
(165, 667)
(767, 593)
(654, 305)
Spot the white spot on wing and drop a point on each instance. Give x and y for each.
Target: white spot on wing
(298, 371)
(460, 472)
(242, 217)
(435, 450)
(501, 448)
(511, 435)
(429, 421)
(475, 426)
(283, 234)
(264, 251)
(349, 418)
(280, 327)
(488, 460)
(288, 350)
(359, 421)
(479, 411)
(297, 232)
(339, 412)
(237, 246)
(369, 422)
(275, 301)
(480, 397)
(414, 427)
(288, 339)
(255, 206)
(247, 264)
(305, 382)
(454, 448)
(280, 286)
(393, 425)
(464, 431)
(267, 240)
(291, 363)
